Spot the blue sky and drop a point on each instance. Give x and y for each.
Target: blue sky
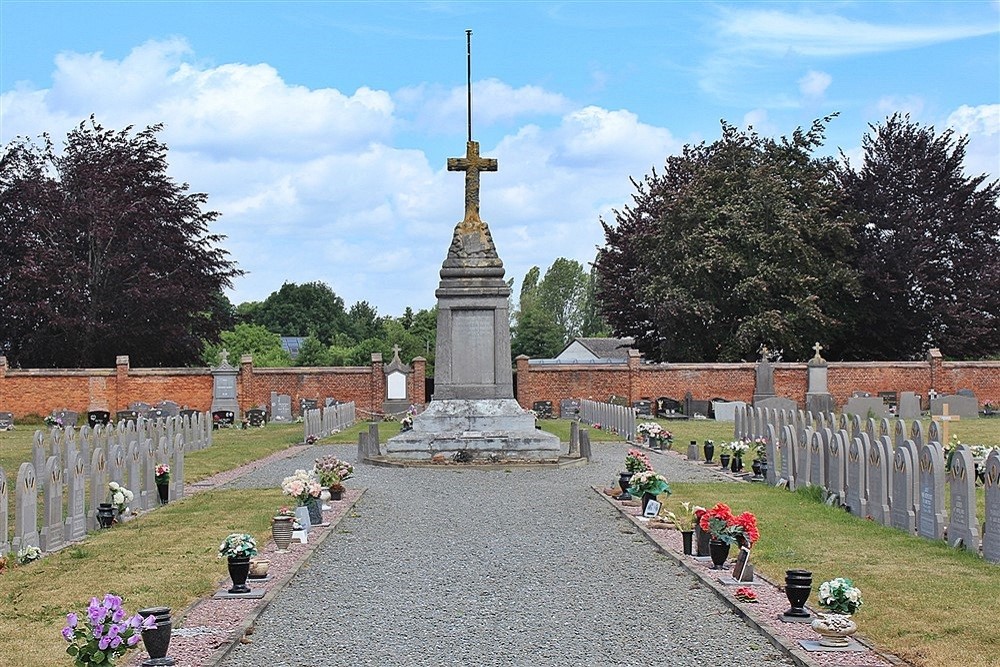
(320, 130)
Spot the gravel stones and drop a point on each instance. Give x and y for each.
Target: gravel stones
(454, 565)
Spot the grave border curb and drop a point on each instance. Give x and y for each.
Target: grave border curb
(797, 654)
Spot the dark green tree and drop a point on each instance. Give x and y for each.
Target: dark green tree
(562, 294)
(929, 246)
(737, 243)
(263, 345)
(310, 309)
(105, 254)
(536, 335)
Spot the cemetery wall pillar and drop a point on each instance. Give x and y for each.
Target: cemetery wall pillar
(938, 381)
(121, 383)
(376, 383)
(523, 381)
(245, 384)
(634, 361)
(416, 380)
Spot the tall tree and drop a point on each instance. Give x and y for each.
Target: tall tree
(301, 310)
(562, 294)
(105, 254)
(263, 345)
(929, 246)
(737, 243)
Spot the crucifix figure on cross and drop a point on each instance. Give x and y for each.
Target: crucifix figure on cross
(472, 164)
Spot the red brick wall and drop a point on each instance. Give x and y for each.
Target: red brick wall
(635, 381)
(40, 391)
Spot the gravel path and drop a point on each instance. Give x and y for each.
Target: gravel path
(470, 567)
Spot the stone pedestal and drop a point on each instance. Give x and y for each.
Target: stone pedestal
(818, 398)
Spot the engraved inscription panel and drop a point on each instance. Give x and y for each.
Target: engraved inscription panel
(472, 347)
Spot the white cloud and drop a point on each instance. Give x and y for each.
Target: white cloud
(759, 120)
(814, 84)
(824, 34)
(905, 104)
(981, 124)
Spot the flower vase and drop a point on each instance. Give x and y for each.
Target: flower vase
(315, 512)
(163, 490)
(709, 451)
(624, 479)
(105, 515)
(737, 464)
(719, 551)
(688, 537)
(702, 541)
(757, 468)
(156, 640)
(281, 532)
(239, 570)
(336, 494)
(646, 498)
(302, 514)
(259, 568)
(835, 630)
(798, 585)
(724, 460)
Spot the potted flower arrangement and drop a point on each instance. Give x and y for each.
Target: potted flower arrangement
(118, 499)
(161, 475)
(650, 432)
(725, 453)
(331, 472)
(841, 598)
(53, 421)
(635, 461)
(28, 554)
(685, 520)
(106, 632)
(649, 485)
(238, 549)
(406, 424)
(305, 489)
(759, 465)
(739, 448)
(726, 529)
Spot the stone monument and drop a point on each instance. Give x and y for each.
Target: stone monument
(473, 409)
(818, 397)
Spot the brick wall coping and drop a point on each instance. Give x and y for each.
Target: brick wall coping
(331, 370)
(971, 364)
(60, 372)
(168, 371)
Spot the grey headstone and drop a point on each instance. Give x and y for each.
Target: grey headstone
(116, 465)
(169, 408)
(692, 453)
(585, 451)
(991, 528)
(574, 438)
(765, 380)
(802, 463)
(908, 406)
(76, 486)
(933, 432)
(870, 428)
(843, 422)
(787, 454)
(51, 537)
(38, 453)
(281, 407)
(4, 508)
(362, 445)
(177, 469)
(930, 522)
(726, 411)
(857, 477)
(133, 462)
(569, 408)
(962, 524)
(739, 416)
(879, 476)
(903, 514)
(149, 462)
(98, 485)
(884, 428)
(966, 407)
(776, 403)
(373, 441)
(836, 473)
(25, 508)
(817, 461)
(917, 434)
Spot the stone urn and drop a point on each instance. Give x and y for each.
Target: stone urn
(258, 568)
(835, 630)
(281, 532)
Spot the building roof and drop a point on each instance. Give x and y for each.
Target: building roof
(606, 348)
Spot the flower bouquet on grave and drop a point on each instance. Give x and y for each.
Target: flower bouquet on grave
(841, 599)
(637, 461)
(311, 439)
(51, 421)
(302, 486)
(648, 482)
(28, 554)
(120, 497)
(759, 449)
(746, 594)
(685, 519)
(161, 474)
(649, 431)
(238, 545)
(724, 526)
(106, 633)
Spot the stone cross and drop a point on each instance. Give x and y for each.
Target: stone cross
(396, 350)
(817, 347)
(946, 418)
(472, 164)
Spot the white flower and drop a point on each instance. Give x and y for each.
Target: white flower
(118, 498)
(129, 495)
(114, 486)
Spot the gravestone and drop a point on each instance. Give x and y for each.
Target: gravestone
(786, 452)
(726, 411)
(133, 462)
(374, 445)
(168, 408)
(281, 407)
(903, 514)
(909, 405)
(223, 418)
(694, 407)
(38, 453)
(870, 428)
(991, 527)
(76, 486)
(843, 422)
(879, 476)
(123, 416)
(817, 461)
(307, 404)
(51, 537)
(933, 432)
(818, 397)
(177, 469)
(668, 408)
(836, 472)
(898, 433)
(6, 421)
(4, 509)
(962, 523)
(569, 408)
(473, 408)
(66, 417)
(771, 452)
(966, 407)
(855, 426)
(574, 438)
(884, 428)
(776, 403)
(149, 474)
(224, 387)
(802, 463)
(764, 387)
(642, 408)
(397, 398)
(585, 451)
(917, 433)
(866, 407)
(256, 417)
(542, 409)
(25, 508)
(739, 419)
(116, 465)
(930, 522)
(857, 477)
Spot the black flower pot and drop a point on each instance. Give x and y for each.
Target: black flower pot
(624, 479)
(724, 460)
(157, 639)
(757, 468)
(702, 541)
(798, 585)
(737, 464)
(315, 512)
(163, 489)
(719, 551)
(105, 515)
(239, 570)
(688, 537)
(709, 451)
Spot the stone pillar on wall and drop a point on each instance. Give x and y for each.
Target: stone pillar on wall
(634, 361)
(245, 387)
(376, 384)
(523, 381)
(418, 380)
(3, 398)
(121, 383)
(938, 381)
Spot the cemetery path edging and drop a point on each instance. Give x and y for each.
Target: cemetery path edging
(798, 655)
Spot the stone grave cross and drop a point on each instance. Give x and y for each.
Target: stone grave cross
(946, 418)
(472, 164)
(818, 347)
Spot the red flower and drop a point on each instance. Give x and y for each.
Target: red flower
(720, 511)
(748, 522)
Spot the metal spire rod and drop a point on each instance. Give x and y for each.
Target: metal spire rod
(468, 58)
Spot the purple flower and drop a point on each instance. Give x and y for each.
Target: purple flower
(118, 615)
(99, 630)
(116, 642)
(134, 639)
(148, 623)
(71, 620)
(67, 633)
(103, 643)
